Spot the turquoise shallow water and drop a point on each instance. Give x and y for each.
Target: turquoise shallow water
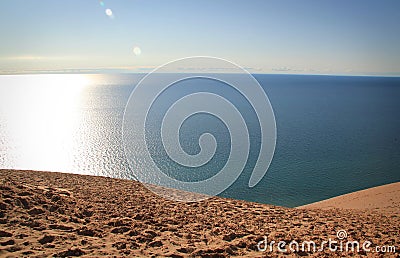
(334, 134)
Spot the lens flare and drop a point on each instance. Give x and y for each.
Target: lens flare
(109, 13)
(137, 51)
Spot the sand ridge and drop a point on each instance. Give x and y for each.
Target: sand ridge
(63, 215)
(385, 197)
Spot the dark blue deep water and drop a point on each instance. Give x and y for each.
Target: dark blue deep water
(335, 134)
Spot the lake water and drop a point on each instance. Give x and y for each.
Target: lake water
(334, 134)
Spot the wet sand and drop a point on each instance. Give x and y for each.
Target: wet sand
(58, 214)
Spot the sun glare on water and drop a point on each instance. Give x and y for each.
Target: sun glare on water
(38, 114)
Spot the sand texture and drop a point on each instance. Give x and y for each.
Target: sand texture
(46, 214)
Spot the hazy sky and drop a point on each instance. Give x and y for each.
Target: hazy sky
(330, 37)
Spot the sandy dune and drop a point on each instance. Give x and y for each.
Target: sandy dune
(386, 197)
(61, 215)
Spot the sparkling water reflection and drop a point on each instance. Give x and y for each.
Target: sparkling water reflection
(61, 123)
(335, 134)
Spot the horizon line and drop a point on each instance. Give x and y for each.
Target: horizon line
(149, 70)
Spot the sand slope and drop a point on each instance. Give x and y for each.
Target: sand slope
(386, 197)
(54, 214)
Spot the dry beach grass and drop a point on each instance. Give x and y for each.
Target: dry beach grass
(58, 214)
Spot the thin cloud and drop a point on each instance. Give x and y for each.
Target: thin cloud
(39, 58)
(124, 69)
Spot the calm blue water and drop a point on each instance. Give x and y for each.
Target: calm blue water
(335, 134)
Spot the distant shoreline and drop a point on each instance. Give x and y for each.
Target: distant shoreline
(384, 197)
(145, 72)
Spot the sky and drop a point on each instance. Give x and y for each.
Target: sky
(357, 37)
